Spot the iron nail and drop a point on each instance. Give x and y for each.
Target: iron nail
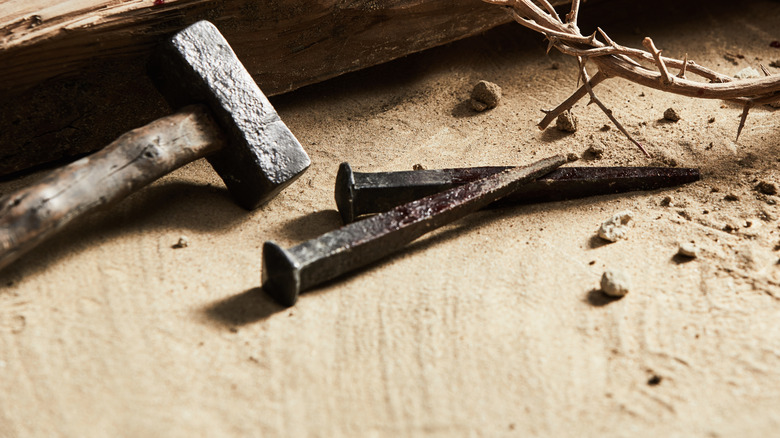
(288, 272)
(359, 193)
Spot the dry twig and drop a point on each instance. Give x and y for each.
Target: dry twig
(614, 60)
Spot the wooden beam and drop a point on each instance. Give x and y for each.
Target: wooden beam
(285, 44)
(72, 72)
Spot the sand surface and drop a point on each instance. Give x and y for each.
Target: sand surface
(493, 326)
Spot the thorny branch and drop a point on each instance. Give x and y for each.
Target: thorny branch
(613, 60)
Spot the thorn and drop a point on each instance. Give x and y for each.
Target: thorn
(745, 110)
(681, 75)
(666, 79)
(606, 37)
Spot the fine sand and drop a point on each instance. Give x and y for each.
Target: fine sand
(493, 326)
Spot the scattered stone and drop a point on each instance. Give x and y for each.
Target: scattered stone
(605, 128)
(747, 73)
(555, 66)
(688, 249)
(767, 188)
(615, 283)
(775, 63)
(616, 227)
(654, 380)
(767, 216)
(667, 201)
(594, 152)
(182, 243)
(485, 95)
(571, 157)
(711, 120)
(729, 228)
(731, 197)
(566, 122)
(732, 58)
(418, 166)
(671, 115)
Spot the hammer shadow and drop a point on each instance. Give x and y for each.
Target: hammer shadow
(245, 308)
(169, 205)
(309, 226)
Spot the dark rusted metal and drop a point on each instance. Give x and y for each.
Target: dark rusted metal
(365, 193)
(197, 65)
(230, 121)
(287, 272)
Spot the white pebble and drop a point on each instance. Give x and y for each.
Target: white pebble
(688, 249)
(747, 73)
(616, 227)
(615, 283)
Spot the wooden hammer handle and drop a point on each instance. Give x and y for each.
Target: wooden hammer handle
(132, 161)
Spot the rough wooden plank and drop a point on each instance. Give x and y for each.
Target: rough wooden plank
(73, 77)
(284, 43)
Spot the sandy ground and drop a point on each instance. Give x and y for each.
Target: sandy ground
(493, 326)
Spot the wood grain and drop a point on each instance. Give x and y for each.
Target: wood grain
(285, 44)
(137, 158)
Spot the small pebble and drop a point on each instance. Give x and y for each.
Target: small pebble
(731, 197)
(616, 227)
(688, 249)
(418, 166)
(747, 73)
(767, 187)
(594, 152)
(711, 120)
(485, 95)
(566, 122)
(671, 115)
(182, 243)
(667, 201)
(555, 66)
(615, 283)
(571, 157)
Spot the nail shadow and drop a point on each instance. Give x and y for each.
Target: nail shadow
(597, 298)
(303, 228)
(245, 308)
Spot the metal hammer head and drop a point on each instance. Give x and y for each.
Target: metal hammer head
(262, 156)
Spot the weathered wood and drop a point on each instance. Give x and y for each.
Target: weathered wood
(132, 161)
(72, 73)
(284, 43)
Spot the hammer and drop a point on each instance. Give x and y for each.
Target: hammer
(224, 117)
